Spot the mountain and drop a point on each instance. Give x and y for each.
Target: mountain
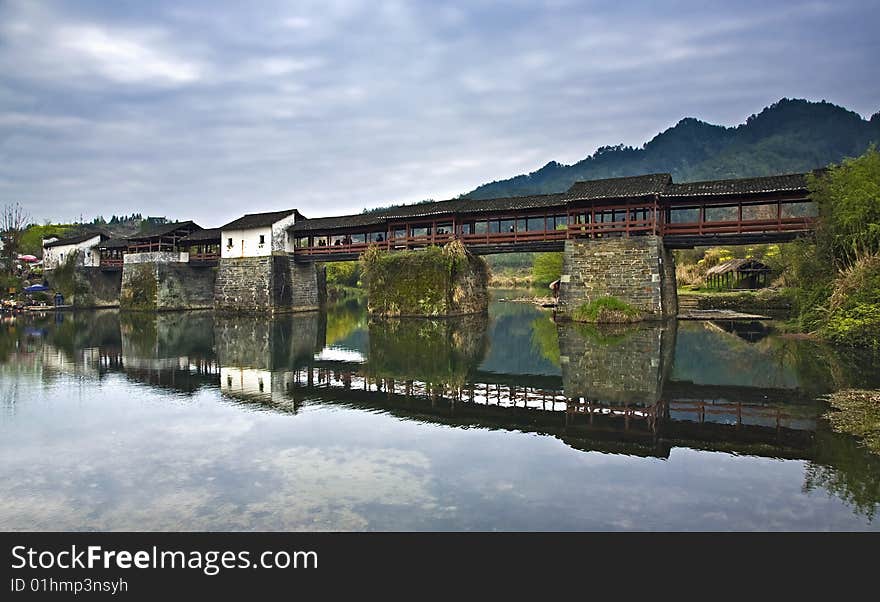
(792, 135)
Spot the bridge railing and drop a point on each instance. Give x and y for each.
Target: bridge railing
(622, 228)
(111, 263)
(740, 227)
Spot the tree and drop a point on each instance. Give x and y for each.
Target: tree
(13, 220)
(547, 268)
(849, 203)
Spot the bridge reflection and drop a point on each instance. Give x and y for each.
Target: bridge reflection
(638, 391)
(615, 390)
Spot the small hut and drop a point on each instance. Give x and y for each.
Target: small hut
(739, 273)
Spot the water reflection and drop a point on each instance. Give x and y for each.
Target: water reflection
(640, 392)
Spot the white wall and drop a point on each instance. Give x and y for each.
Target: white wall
(89, 255)
(280, 241)
(246, 243)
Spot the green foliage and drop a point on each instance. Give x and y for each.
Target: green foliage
(609, 310)
(64, 276)
(343, 273)
(502, 261)
(547, 268)
(748, 301)
(419, 282)
(852, 316)
(8, 282)
(849, 203)
(836, 276)
(32, 238)
(139, 291)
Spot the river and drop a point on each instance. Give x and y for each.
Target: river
(328, 421)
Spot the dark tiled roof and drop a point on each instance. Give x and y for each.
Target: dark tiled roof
(591, 190)
(795, 182)
(619, 188)
(202, 236)
(75, 240)
(114, 243)
(358, 220)
(260, 220)
(164, 230)
(435, 208)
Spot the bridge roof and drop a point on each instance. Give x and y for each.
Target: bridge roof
(165, 230)
(431, 209)
(658, 184)
(619, 188)
(741, 186)
(206, 234)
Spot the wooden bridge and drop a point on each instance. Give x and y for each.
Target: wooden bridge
(729, 212)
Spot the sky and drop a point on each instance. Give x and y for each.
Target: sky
(207, 110)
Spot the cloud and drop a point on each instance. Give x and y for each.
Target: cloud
(209, 109)
(120, 56)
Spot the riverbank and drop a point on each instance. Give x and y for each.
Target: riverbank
(856, 412)
(759, 301)
(511, 279)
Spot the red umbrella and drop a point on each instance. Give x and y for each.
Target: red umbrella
(27, 258)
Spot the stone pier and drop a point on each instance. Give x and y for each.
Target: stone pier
(271, 283)
(427, 282)
(165, 282)
(86, 287)
(637, 270)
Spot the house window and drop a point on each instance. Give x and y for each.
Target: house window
(262, 239)
(229, 242)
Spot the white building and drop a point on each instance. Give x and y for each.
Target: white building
(258, 234)
(56, 251)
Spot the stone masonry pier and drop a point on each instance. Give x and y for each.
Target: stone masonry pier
(271, 283)
(637, 270)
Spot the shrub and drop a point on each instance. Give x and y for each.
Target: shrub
(853, 309)
(424, 282)
(547, 268)
(343, 273)
(607, 310)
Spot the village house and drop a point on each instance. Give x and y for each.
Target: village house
(258, 234)
(56, 250)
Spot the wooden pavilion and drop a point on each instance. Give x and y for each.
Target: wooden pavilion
(739, 273)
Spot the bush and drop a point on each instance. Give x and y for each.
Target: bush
(607, 310)
(849, 206)
(424, 282)
(853, 312)
(343, 273)
(547, 268)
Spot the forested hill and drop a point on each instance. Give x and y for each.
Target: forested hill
(788, 136)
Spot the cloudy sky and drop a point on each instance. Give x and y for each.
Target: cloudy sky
(210, 109)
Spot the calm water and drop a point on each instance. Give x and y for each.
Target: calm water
(327, 421)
